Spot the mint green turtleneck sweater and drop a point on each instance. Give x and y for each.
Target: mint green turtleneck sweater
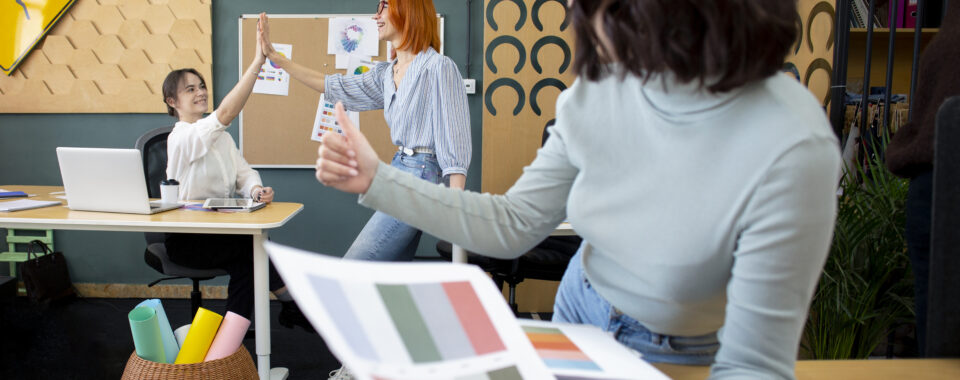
(700, 212)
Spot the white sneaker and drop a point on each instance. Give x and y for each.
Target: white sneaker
(341, 374)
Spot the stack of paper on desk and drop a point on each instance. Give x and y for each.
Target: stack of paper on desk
(420, 320)
(25, 204)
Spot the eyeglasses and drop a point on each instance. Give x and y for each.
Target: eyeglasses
(381, 6)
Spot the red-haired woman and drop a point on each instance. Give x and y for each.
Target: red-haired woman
(424, 103)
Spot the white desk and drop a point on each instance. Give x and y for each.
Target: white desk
(183, 221)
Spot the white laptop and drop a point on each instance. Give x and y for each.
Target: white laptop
(108, 180)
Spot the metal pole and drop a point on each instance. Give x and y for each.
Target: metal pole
(889, 81)
(916, 56)
(841, 52)
(865, 101)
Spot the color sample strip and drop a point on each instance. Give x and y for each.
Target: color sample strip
(558, 351)
(473, 317)
(442, 321)
(509, 373)
(374, 318)
(338, 306)
(410, 323)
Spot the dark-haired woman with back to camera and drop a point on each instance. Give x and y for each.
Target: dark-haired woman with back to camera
(702, 182)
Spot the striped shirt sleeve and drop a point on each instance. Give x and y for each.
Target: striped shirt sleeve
(452, 124)
(362, 92)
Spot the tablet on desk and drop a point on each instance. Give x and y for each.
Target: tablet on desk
(232, 204)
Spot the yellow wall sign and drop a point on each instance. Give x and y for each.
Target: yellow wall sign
(22, 24)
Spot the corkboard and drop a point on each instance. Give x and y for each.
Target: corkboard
(111, 57)
(528, 54)
(275, 130)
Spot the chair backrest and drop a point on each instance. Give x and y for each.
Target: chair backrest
(153, 149)
(943, 310)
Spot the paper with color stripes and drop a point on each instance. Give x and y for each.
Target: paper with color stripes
(585, 352)
(409, 320)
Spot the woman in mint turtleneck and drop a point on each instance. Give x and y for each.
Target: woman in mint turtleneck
(702, 182)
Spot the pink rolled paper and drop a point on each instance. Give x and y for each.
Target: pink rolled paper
(229, 337)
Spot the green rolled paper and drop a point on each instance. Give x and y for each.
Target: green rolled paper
(170, 346)
(146, 334)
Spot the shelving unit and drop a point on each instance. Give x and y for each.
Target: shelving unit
(902, 61)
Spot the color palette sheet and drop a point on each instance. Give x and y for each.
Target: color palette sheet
(585, 352)
(409, 320)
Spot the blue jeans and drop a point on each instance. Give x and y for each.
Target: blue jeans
(578, 302)
(384, 238)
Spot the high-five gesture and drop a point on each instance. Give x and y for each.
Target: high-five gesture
(346, 163)
(263, 38)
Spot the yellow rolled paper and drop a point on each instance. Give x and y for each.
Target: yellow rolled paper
(202, 331)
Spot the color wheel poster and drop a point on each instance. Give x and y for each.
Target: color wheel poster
(349, 35)
(409, 320)
(273, 80)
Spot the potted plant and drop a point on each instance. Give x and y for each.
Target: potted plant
(866, 289)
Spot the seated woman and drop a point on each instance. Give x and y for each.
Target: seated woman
(206, 161)
(702, 182)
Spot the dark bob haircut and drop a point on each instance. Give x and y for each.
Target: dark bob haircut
(723, 44)
(170, 86)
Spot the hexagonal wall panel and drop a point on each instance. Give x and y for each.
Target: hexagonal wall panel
(110, 56)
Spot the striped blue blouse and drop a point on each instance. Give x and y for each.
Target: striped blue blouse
(428, 110)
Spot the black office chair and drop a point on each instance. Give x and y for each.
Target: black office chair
(153, 150)
(547, 261)
(943, 310)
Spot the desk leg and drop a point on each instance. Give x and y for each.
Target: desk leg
(261, 310)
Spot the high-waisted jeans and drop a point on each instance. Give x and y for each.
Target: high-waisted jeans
(578, 302)
(384, 238)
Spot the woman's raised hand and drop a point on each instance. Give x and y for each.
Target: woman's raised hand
(263, 35)
(346, 163)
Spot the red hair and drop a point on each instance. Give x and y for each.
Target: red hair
(416, 20)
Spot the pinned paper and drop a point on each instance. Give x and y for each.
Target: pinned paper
(348, 35)
(272, 79)
(357, 65)
(326, 120)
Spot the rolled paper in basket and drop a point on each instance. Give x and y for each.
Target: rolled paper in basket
(146, 334)
(229, 336)
(170, 345)
(181, 334)
(202, 331)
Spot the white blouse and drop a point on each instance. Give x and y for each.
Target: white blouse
(206, 161)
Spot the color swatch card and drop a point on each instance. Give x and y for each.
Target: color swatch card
(272, 79)
(409, 320)
(326, 120)
(585, 352)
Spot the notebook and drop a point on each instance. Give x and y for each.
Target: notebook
(106, 180)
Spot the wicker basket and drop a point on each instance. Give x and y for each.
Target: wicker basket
(238, 366)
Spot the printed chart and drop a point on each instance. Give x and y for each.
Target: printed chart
(272, 79)
(408, 321)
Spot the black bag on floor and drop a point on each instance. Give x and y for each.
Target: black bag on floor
(45, 275)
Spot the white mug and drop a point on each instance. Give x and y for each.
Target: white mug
(169, 191)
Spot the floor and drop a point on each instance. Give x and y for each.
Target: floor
(89, 338)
